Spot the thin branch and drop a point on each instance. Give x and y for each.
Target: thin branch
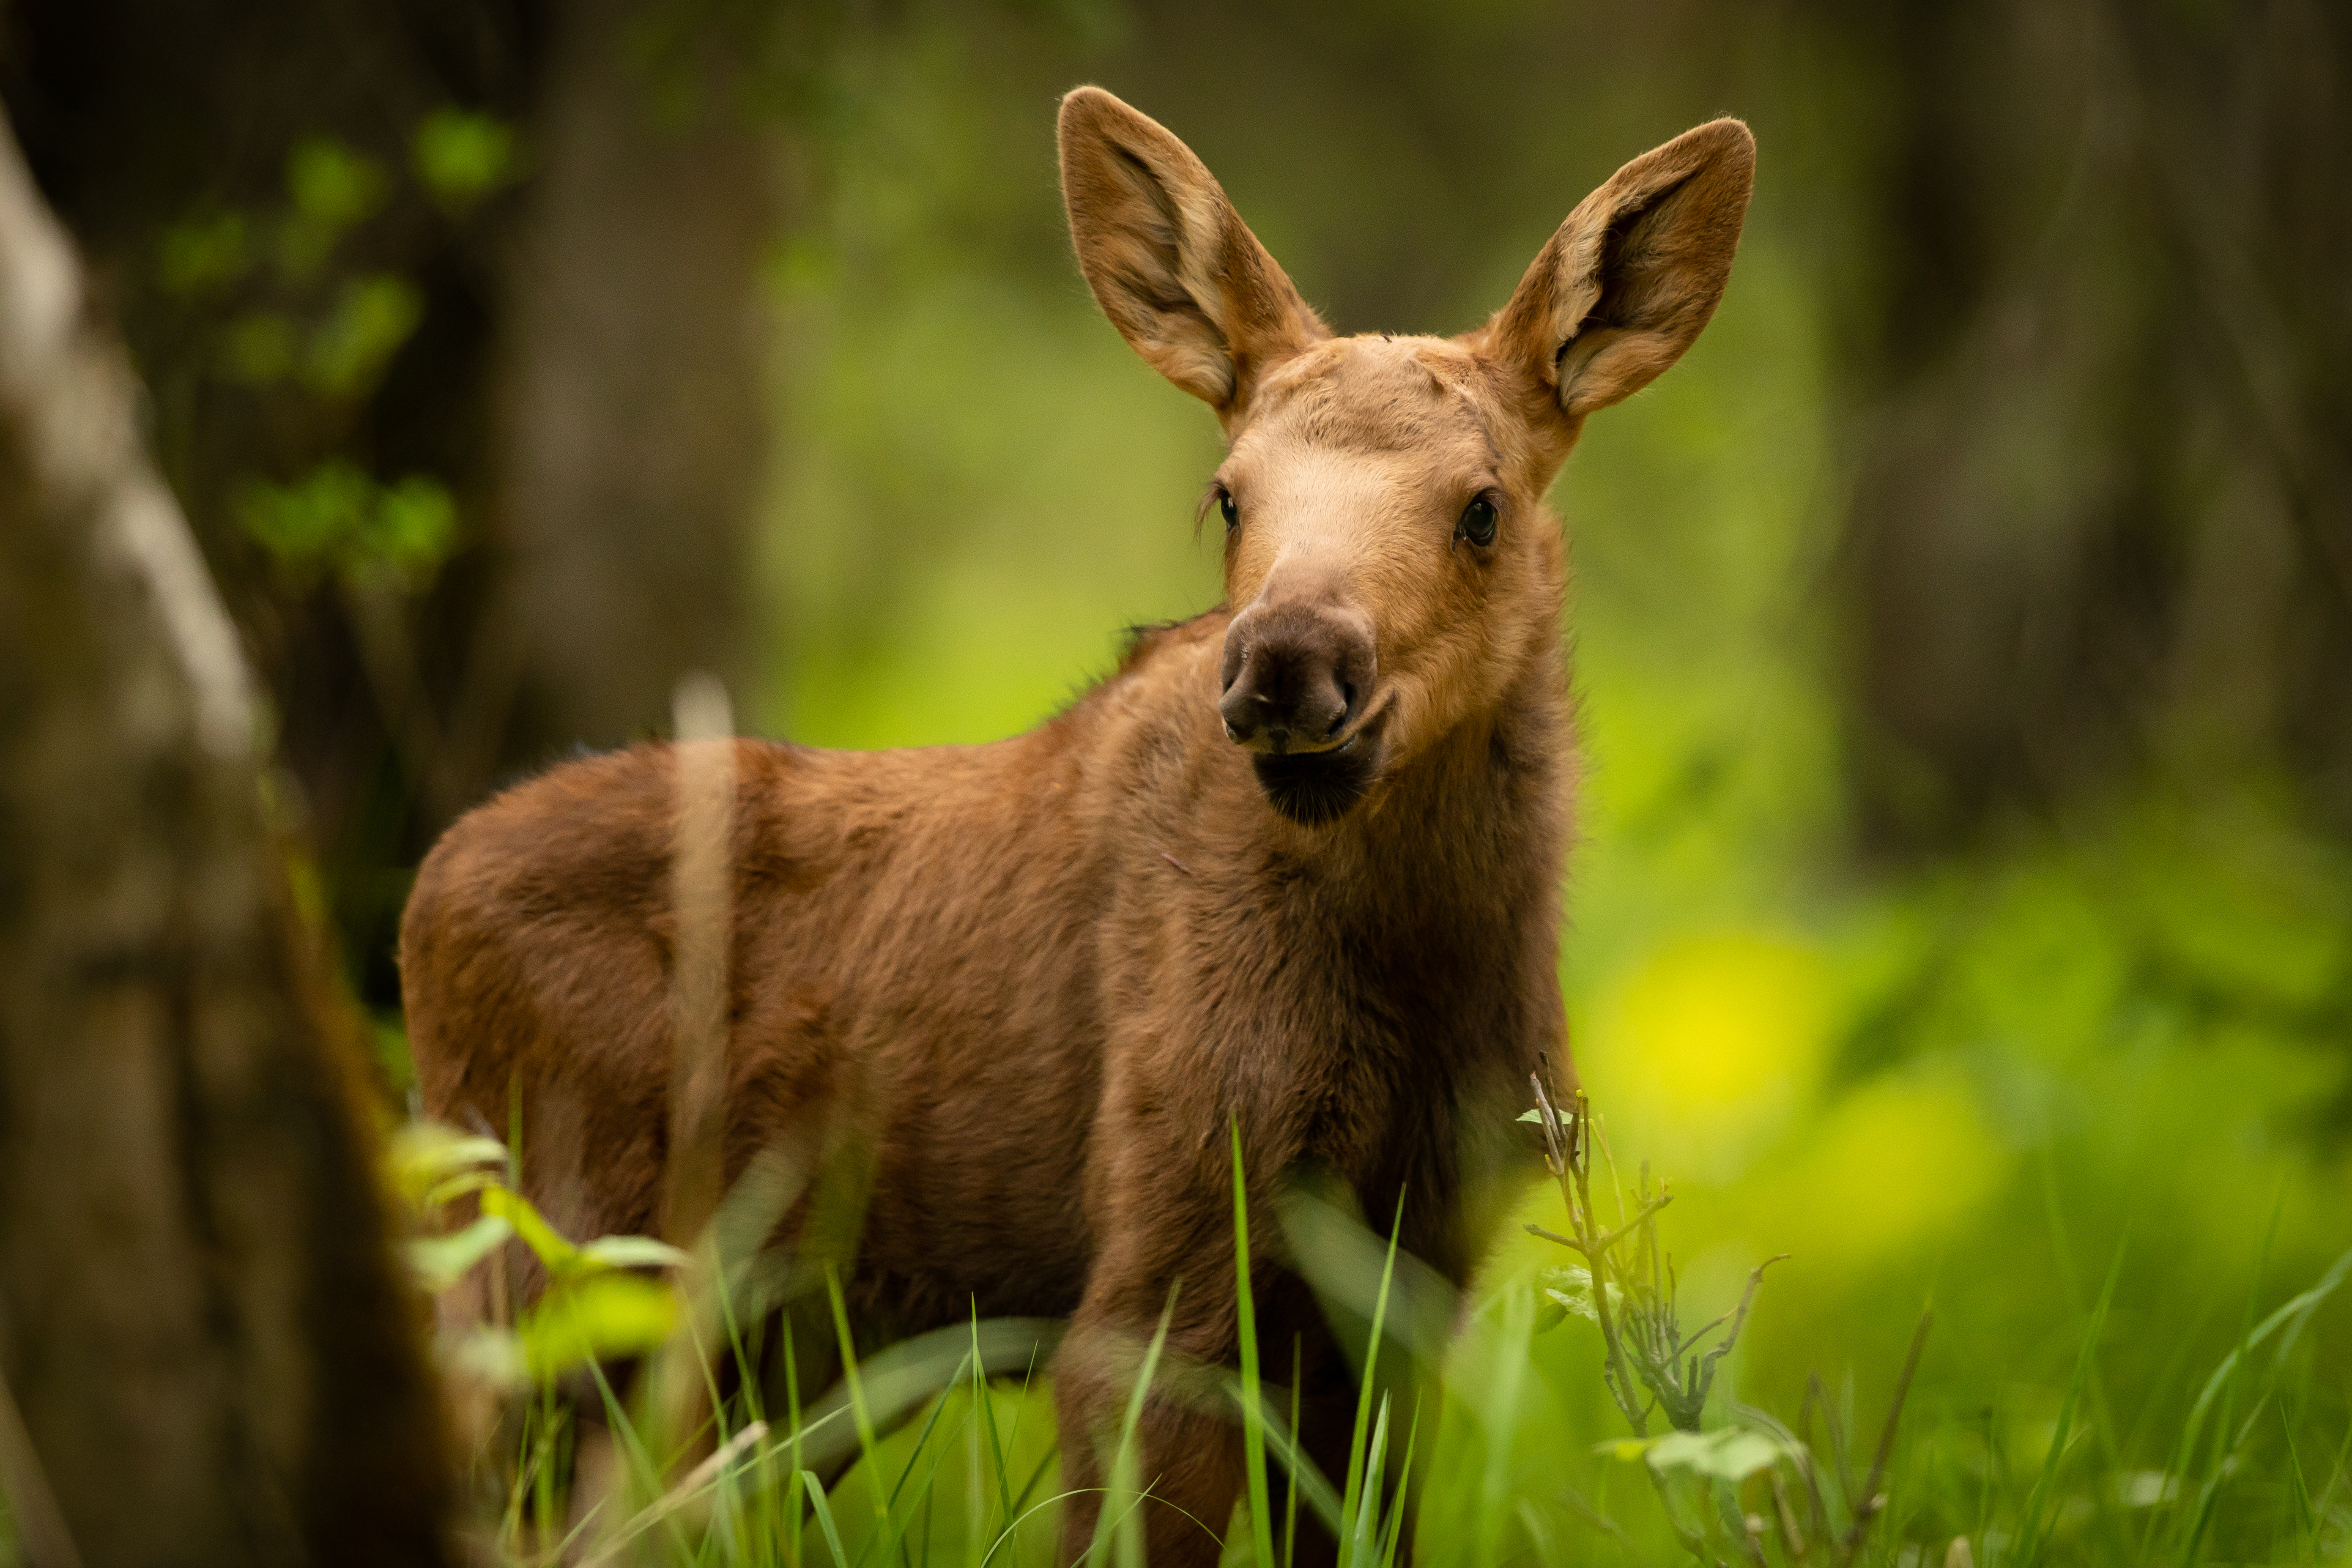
(1872, 1499)
(1568, 1241)
(1739, 1317)
(1604, 1243)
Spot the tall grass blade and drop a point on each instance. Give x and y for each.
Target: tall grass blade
(2226, 1381)
(988, 1423)
(1363, 1530)
(1499, 1415)
(1393, 1532)
(814, 1490)
(2030, 1537)
(631, 1446)
(1253, 1415)
(2298, 1494)
(1036, 1474)
(867, 1441)
(796, 1488)
(2292, 1316)
(975, 1495)
(1351, 1494)
(1290, 1497)
(900, 1522)
(1313, 1489)
(1124, 1495)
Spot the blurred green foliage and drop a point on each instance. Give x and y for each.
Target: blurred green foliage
(461, 157)
(336, 516)
(330, 189)
(292, 317)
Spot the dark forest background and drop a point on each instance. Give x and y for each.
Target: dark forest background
(476, 336)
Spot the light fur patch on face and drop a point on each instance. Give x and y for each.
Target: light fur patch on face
(1373, 395)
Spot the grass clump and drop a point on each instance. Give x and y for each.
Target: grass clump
(719, 1450)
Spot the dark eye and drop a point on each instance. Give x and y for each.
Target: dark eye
(1477, 525)
(1229, 509)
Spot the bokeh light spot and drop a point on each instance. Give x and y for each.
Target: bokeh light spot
(1715, 1040)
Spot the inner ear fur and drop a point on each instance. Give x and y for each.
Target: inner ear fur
(1626, 284)
(1169, 261)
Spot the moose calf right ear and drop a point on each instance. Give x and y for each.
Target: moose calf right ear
(1171, 264)
(1627, 282)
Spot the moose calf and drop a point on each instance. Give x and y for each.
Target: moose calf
(1295, 866)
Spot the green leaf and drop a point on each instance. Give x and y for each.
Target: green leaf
(456, 1188)
(440, 1261)
(631, 1252)
(333, 184)
(416, 524)
(331, 187)
(1569, 1287)
(202, 255)
(461, 156)
(601, 1317)
(424, 1154)
(337, 515)
(372, 317)
(314, 519)
(552, 1249)
(1730, 1454)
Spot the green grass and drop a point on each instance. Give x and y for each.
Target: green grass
(2237, 1452)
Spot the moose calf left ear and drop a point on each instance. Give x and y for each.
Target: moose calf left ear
(1172, 265)
(1627, 282)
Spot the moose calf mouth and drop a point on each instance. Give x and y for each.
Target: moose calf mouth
(1312, 788)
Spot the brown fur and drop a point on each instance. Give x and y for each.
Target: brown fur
(1036, 981)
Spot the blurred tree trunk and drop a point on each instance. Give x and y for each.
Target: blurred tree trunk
(200, 1324)
(580, 375)
(2102, 520)
(631, 412)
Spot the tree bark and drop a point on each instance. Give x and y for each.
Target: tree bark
(201, 1322)
(583, 377)
(631, 417)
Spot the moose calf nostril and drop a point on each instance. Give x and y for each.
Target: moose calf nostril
(1347, 709)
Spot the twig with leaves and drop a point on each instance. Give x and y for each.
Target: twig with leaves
(1627, 1286)
(1632, 1281)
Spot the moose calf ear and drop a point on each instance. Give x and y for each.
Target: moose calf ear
(1627, 282)
(1168, 260)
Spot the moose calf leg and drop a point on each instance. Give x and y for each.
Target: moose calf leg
(1188, 1461)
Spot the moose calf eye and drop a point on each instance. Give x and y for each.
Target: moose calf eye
(1477, 525)
(1231, 509)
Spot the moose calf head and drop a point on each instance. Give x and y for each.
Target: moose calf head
(1388, 558)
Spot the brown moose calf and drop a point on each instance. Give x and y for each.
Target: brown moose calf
(1296, 864)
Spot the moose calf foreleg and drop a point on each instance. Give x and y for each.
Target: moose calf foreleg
(1187, 1446)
